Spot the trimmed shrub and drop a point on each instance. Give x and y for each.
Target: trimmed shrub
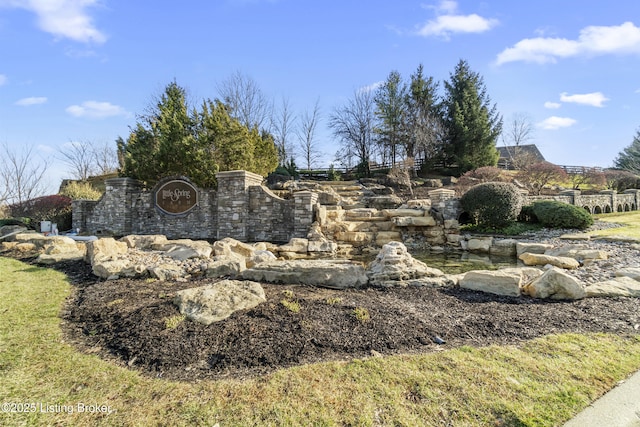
(527, 215)
(80, 190)
(554, 214)
(492, 204)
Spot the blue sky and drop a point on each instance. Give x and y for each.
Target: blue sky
(80, 70)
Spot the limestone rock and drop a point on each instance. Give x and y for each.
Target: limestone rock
(183, 249)
(333, 274)
(146, 241)
(500, 282)
(105, 248)
(556, 261)
(384, 237)
(166, 271)
(394, 263)
(579, 252)
(48, 259)
(356, 238)
(32, 237)
(296, 245)
(323, 246)
(631, 272)
(556, 284)
(8, 232)
(215, 302)
(414, 221)
(503, 247)
(575, 236)
(392, 213)
(60, 245)
(619, 287)
(222, 267)
(261, 256)
(110, 269)
(532, 248)
(479, 244)
(229, 247)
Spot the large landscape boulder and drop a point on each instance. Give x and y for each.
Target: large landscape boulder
(556, 284)
(508, 281)
(394, 264)
(622, 286)
(229, 247)
(217, 301)
(104, 249)
(144, 241)
(632, 272)
(556, 261)
(225, 267)
(333, 274)
(532, 248)
(8, 232)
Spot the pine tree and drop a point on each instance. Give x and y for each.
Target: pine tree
(391, 113)
(473, 125)
(629, 158)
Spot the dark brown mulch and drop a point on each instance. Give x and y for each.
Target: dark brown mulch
(124, 321)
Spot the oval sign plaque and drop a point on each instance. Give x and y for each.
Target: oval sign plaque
(176, 197)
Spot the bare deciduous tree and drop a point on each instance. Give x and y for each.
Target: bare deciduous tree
(283, 124)
(245, 100)
(353, 124)
(79, 156)
(106, 159)
(307, 135)
(21, 176)
(518, 132)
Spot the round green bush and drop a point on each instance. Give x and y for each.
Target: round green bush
(492, 204)
(554, 214)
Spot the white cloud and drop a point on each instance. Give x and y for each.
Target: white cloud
(3, 79)
(46, 148)
(595, 99)
(33, 100)
(592, 40)
(449, 22)
(555, 122)
(62, 18)
(96, 110)
(372, 87)
(552, 105)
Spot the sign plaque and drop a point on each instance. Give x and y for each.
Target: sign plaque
(176, 197)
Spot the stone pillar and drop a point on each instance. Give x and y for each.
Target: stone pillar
(233, 203)
(121, 197)
(574, 197)
(636, 194)
(304, 202)
(446, 202)
(81, 213)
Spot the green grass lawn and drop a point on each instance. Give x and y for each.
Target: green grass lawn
(541, 383)
(630, 220)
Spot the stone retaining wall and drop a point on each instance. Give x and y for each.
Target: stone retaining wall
(241, 209)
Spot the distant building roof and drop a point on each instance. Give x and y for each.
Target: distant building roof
(506, 152)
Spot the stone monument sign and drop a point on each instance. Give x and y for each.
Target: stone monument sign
(176, 197)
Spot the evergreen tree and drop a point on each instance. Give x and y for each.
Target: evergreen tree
(172, 140)
(473, 125)
(391, 112)
(424, 126)
(629, 158)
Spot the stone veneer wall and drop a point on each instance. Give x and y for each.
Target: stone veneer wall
(270, 217)
(241, 209)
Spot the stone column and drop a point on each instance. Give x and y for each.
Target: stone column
(636, 194)
(574, 197)
(446, 202)
(116, 206)
(233, 203)
(304, 202)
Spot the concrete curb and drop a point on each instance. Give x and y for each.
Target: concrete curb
(620, 407)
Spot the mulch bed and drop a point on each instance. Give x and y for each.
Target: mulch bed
(124, 321)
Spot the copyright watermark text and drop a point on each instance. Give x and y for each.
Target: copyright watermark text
(42, 407)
